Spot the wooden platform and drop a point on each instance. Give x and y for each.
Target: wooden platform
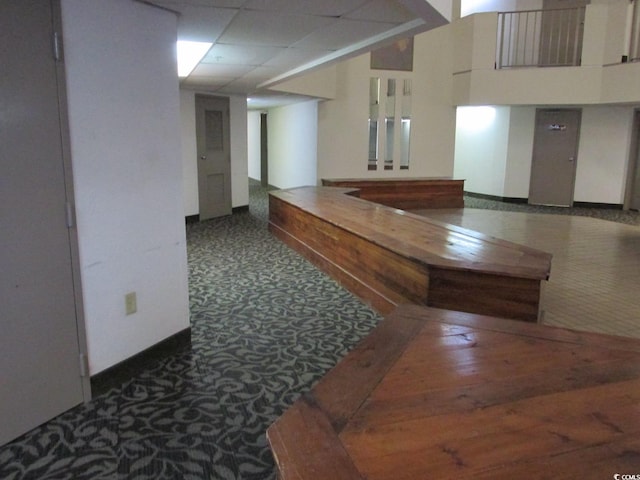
(405, 193)
(389, 257)
(434, 394)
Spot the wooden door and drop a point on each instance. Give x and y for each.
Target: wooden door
(555, 153)
(40, 368)
(214, 157)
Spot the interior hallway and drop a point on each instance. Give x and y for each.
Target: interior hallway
(595, 271)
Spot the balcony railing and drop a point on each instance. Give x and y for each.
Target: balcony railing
(540, 38)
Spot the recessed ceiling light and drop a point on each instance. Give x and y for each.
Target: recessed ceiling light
(189, 55)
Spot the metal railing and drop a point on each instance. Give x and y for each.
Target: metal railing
(540, 38)
(634, 48)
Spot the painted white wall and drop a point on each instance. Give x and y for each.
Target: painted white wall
(292, 137)
(239, 168)
(490, 168)
(481, 148)
(253, 144)
(520, 150)
(124, 117)
(342, 122)
(603, 154)
(469, 7)
(189, 153)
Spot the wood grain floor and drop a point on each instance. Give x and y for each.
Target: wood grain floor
(439, 394)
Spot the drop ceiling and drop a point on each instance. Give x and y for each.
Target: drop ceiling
(259, 42)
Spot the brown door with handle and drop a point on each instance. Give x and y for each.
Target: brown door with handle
(214, 156)
(555, 156)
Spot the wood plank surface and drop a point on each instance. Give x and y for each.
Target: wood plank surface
(389, 257)
(405, 193)
(440, 394)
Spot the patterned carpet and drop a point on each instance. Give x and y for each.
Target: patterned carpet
(266, 325)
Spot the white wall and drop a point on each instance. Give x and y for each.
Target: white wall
(342, 122)
(189, 153)
(239, 163)
(253, 144)
(603, 154)
(469, 7)
(239, 168)
(292, 135)
(492, 167)
(481, 148)
(520, 151)
(124, 117)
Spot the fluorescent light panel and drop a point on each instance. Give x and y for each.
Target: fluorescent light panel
(189, 55)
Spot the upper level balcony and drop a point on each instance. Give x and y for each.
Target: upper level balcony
(581, 56)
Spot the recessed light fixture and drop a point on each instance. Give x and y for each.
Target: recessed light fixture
(189, 55)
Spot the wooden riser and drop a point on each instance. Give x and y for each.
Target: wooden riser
(389, 258)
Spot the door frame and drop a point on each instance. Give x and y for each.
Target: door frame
(633, 165)
(70, 196)
(534, 150)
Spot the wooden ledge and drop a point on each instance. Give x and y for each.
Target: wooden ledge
(389, 257)
(405, 193)
(440, 394)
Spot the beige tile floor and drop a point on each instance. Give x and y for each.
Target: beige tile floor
(595, 271)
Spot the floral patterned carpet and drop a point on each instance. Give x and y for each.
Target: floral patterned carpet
(266, 325)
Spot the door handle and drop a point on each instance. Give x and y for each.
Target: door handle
(571, 159)
(203, 157)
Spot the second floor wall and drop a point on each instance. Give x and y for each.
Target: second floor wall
(602, 75)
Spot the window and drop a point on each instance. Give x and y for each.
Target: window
(374, 107)
(392, 141)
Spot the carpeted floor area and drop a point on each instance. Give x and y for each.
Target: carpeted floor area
(266, 325)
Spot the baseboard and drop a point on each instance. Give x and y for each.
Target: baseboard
(496, 198)
(196, 218)
(610, 206)
(114, 377)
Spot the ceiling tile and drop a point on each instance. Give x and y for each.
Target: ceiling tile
(271, 28)
(203, 24)
(221, 70)
(211, 83)
(207, 3)
(293, 57)
(241, 54)
(382, 11)
(343, 33)
(330, 8)
(262, 74)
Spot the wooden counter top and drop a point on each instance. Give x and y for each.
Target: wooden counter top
(434, 394)
(420, 238)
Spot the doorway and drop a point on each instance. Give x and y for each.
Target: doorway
(42, 346)
(214, 157)
(634, 166)
(555, 154)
